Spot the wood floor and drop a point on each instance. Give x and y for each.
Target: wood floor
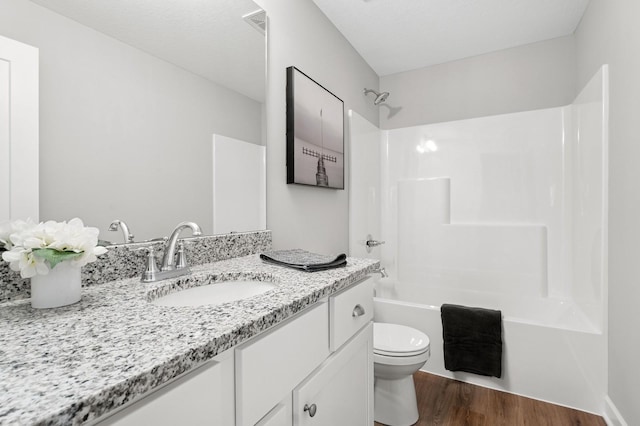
(446, 402)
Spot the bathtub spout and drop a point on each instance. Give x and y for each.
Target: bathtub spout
(381, 271)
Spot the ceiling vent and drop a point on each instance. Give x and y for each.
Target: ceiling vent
(257, 20)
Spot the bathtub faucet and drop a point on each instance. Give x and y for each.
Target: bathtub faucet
(381, 271)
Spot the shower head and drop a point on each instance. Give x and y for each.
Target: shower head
(380, 97)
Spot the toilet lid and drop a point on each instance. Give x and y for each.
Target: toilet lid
(398, 340)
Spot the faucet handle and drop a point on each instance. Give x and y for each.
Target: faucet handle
(151, 269)
(182, 257)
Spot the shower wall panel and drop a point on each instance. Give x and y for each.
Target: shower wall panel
(364, 180)
(588, 218)
(507, 198)
(433, 252)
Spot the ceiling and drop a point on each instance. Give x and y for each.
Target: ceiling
(204, 37)
(400, 35)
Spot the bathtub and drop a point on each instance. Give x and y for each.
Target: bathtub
(551, 352)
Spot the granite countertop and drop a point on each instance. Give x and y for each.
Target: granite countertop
(73, 364)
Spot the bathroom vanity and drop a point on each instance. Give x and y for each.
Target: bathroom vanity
(298, 354)
(315, 368)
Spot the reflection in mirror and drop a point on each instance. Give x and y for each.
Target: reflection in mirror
(121, 225)
(131, 93)
(238, 168)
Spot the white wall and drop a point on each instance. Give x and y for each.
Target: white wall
(524, 78)
(123, 134)
(316, 219)
(609, 33)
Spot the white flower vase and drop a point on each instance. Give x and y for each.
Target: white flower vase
(60, 287)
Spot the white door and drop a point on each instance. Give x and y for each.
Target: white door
(18, 130)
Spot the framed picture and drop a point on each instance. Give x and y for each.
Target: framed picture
(315, 133)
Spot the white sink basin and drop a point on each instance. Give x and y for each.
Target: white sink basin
(215, 294)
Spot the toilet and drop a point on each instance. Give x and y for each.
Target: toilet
(398, 352)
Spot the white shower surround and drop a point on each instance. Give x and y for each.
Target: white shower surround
(505, 212)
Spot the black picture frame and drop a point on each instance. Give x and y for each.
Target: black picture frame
(315, 133)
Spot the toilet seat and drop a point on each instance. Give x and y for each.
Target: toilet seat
(397, 340)
(398, 354)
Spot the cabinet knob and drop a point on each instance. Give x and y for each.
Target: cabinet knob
(358, 311)
(311, 409)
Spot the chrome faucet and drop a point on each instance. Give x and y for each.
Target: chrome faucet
(169, 268)
(371, 243)
(383, 273)
(168, 263)
(128, 236)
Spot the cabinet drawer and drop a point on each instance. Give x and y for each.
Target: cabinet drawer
(203, 396)
(349, 311)
(271, 365)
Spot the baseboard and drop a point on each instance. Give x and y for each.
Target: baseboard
(611, 414)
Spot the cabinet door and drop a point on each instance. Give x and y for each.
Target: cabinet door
(201, 397)
(280, 415)
(270, 366)
(340, 392)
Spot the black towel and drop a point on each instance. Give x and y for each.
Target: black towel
(472, 339)
(304, 260)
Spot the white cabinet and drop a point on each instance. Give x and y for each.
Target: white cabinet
(340, 392)
(349, 311)
(270, 365)
(203, 396)
(323, 356)
(280, 415)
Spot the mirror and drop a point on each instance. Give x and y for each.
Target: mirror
(131, 94)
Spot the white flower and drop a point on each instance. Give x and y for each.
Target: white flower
(7, 228)
(34, 249)
(24, 261)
